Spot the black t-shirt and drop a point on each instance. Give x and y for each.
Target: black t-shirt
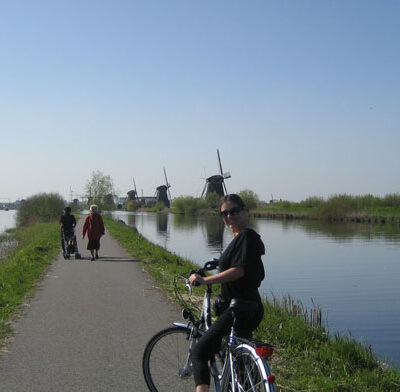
(68, 222)
(244, 250)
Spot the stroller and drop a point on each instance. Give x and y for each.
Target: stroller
(69, 244)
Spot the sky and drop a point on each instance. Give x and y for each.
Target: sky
(301, 97)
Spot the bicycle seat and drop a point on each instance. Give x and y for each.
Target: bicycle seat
(241, 305)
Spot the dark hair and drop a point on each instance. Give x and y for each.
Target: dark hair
(67, 210)
(234, 199)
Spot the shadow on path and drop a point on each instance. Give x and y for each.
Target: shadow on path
(116, 259)
(105, 259)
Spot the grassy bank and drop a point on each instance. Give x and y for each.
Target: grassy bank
(337, 208)
(306, 358)
(380, 215)
(20, 270)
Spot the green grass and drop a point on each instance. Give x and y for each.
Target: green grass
(19, 271)
(306, 357)
(383, 211)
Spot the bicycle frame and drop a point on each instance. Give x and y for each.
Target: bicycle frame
(198, 328)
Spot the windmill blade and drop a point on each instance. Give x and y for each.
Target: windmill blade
(170, 197)
(204, 189)
(220, 165)
(134, 184)
(166, 179)
(168, 185)
(223, 183)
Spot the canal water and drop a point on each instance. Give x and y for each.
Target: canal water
(351, 270)
(7, 219)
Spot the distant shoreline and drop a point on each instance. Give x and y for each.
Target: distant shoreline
(390, 216)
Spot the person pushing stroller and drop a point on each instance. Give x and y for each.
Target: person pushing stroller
(68, 239)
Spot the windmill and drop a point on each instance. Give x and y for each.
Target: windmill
(216, 183)
(132, 194)
(162, 192)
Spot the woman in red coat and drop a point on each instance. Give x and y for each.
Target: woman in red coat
(94, 227)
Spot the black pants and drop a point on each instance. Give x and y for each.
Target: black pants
(210, 342)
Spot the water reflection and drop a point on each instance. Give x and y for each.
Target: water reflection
(7, 219)
(184, 222)
(162, 223)
(214, 227)
(345, 232)
(131, 220)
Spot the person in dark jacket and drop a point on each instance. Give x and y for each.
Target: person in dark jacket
(94, 227)
(67, 224)
(241, 273)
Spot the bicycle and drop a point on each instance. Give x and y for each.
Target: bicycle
(239, 366)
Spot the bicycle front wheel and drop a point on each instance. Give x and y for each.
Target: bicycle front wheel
(250, 372)
(166, 361)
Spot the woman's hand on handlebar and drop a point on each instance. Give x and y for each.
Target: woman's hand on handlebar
(196, 280)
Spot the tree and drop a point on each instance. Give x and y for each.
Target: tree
(100, 190)
(250, 199)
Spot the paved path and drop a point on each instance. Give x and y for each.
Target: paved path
(86, 326)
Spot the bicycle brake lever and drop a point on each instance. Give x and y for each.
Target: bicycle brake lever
(189, 286)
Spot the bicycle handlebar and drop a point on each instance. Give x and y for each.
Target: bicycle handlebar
(208, 266)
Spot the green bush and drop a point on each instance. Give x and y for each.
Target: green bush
(132, 205)
(150, 203)
(188, 205)
(213, 200)
(368, 201)
(43, 207)
(337, 207)
(250, 199)
(286, 204)
(392, 200)
(313, 201)
(158, 207)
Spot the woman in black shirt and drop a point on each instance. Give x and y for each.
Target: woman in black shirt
(241, 273)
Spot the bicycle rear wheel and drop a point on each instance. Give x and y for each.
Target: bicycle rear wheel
(250, 372)
(166, 361)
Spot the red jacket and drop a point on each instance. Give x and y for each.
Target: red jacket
(94, 227)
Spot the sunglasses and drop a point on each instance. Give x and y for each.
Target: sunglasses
(232, 211)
